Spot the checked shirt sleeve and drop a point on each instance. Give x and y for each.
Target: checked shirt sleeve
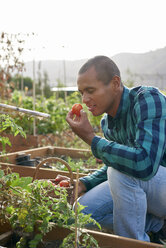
(142, 159)
(95, 178)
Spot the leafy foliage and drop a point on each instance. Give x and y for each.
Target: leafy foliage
(8, 124)
(17, 79)
(27, 205)
(57, 108)
(84, 165)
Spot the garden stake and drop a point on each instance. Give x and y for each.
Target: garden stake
(76, 196)
(26, 111)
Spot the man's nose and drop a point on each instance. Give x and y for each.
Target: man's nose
(85, 98)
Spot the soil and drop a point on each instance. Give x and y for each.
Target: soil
(52, 244)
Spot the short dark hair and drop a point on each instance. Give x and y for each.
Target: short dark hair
(105, 68)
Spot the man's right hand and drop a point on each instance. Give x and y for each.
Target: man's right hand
(59, 178)
(81, 186)
(81, 126)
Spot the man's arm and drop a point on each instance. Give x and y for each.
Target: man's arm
(95, 178)
(143, 158)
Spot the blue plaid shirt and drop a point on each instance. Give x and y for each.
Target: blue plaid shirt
(135, 139)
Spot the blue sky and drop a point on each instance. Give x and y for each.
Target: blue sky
(76, 29)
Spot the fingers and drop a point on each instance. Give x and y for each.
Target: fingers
(83, 113)
(81, 190)
(59, 178)
(70, 115)
(72, 198)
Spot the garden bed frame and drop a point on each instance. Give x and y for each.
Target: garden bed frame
(104, 239)
(9, 160)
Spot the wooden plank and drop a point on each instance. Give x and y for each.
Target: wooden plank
(4, 227)
(11, 157)
(114, 241)
(5, 237)
(72, 152)
(47, 151)
(44, 173)
(104, 239)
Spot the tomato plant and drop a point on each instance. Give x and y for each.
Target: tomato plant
(8, 124)
(56, 124)
(25, 204)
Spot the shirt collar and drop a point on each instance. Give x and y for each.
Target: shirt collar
(124, 104)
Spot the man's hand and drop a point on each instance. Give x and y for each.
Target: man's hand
(59, 178)
(81, 126)
(81, 186)
(81, 190)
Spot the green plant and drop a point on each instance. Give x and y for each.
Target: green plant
(27, 205)
(57, 108)
(82, 164)
(8, 124)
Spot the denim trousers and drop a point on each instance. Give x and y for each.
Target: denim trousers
(128, 206)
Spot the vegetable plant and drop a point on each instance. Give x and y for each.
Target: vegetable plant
(8, 124)
(27, 206)
(57, 108)
(82, 164)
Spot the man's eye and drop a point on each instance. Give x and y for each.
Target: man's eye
(90, 91)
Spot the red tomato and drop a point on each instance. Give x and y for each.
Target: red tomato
(64, 183)
(76, 109)
(99, 161)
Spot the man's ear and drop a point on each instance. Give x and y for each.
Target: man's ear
(116, 81)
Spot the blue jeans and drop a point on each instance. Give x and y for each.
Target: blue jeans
(133, 208)
(99, 204)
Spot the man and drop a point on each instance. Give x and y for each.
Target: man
(132, 183)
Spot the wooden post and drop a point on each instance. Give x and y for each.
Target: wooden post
(76, 197)
(34, 98)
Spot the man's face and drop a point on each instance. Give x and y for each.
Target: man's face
(98, 97)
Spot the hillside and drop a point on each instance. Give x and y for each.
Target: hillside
(146, 68)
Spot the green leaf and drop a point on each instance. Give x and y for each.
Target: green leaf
(1, 173)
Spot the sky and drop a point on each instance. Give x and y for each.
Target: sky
(78, 29)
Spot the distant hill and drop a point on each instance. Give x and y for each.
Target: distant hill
(56, 70)
(146, 68)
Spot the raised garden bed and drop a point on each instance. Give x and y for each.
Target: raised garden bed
(104, 240)
(41, 153)
(19, 143)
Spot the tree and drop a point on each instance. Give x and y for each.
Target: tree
(28, 82)
(11, 47)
